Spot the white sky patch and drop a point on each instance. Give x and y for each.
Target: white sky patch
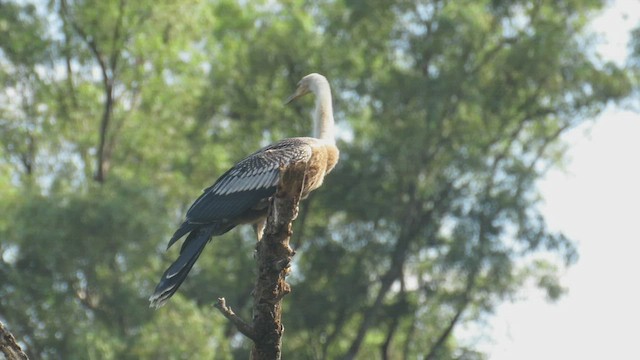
(595, 201)
(614, 27)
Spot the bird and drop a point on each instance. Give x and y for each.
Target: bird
(242, 194)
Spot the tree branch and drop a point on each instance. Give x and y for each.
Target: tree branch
(415, 220)
(108, 81)
(384, 348)
(9, 347)
(240, 324)
(398, 259)
(274, 257)
(439, 344)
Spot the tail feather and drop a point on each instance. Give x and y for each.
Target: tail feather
(177, 272)
(182, 230)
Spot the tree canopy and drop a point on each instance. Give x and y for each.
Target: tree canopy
(115, 114)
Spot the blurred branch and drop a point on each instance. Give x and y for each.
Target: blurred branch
(108, 72)
(394, 271)
(9, 347)
(410, 334)
(462, 306)
(399, 308)
(117, 30)
(384, 348)
(88, 40)
(341, 319)
(414, 220)
(484, 221)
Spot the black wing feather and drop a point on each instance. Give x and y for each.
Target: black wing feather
(216, 211)
(249, 181)
(177, 272)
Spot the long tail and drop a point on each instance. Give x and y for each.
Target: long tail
(177, 272)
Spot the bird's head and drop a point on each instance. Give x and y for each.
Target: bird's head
(308, 84)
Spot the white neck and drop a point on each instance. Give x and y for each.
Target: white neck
(323, 124)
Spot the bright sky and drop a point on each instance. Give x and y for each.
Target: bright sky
(595, 201)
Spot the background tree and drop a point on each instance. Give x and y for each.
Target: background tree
(113, 116)
(634, 63)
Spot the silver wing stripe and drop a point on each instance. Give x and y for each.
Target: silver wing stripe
(260, 170)
(252, 182)
(263, 181)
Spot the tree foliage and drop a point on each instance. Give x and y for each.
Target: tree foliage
(114, 114)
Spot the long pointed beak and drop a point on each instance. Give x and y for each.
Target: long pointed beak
(300, 91)
(293, 96)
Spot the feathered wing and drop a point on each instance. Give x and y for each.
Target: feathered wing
(243, 186)
(223, 205)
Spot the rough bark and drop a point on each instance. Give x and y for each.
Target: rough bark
(9, 347)
(274, 256)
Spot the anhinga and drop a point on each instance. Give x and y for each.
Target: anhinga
(241, 195)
